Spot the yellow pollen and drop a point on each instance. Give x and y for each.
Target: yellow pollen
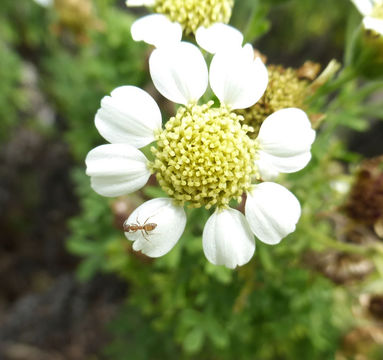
(204, 157)
(192, 14)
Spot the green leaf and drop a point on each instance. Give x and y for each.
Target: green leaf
(88, 268)
(82, 247)
(220, 273)
(217, 333)
(193, 341)
(249, 16)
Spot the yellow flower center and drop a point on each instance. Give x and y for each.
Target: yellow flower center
(192, 14)
(204, 156)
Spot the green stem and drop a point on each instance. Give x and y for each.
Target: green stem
(369, 250)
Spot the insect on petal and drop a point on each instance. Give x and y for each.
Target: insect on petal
(166, 225)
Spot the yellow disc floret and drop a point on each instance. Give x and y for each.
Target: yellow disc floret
(192, 14)
(204, 156)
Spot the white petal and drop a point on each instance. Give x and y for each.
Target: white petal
(140, 2)
(170, 223)
(285, 139)
(129, 115)
(218, 37)
(237, 79)
(364, 6)
(272, 212)
(179, 72)
(157, 30)
(374, 24)
(116, 169)
(227, 239)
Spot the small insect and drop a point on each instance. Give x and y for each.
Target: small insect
(145, 228)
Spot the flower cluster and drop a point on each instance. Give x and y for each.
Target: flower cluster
(203, 156)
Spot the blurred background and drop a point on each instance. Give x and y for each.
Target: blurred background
(71, 287)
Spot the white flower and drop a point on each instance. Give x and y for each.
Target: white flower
(372, 11)
(130, 119)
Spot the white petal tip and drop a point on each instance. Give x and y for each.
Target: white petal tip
(157, 30)
(227, 239)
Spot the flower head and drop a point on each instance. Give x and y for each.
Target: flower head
(203, 156)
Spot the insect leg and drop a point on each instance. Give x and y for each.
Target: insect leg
(148, 218)
(143, 234)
